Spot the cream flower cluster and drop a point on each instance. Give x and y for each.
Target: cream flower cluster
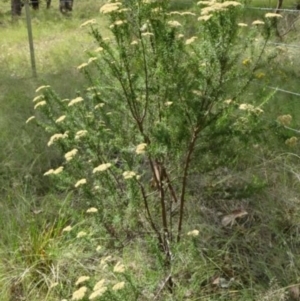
(100, 287)
(71, 154)
(284, 119)
(80, 134)
(56, 137)
(213, 6)
(74, 101)
(110, 7)
(250, 108)
(54, 171)
(141, 148)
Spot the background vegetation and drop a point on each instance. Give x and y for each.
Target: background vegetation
(252, 183)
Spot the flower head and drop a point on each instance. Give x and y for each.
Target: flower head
(204, 18)
(260, 75)
(291, 141)
(273, 15)
(56, 137)
(89, 22)
(285, 119)
(39, 97)
(67, 229)
(147, 34)
(140, 149)
(71, 154)
(228, 101)
(81, 234)
(110, 7)
(118, 286)
(258, 22)
(193, 233)
(99, 285)
(29, 119)
(60, 119)
(119, 267)
(83, 65)
(54, 171)
(80, 134)
(82, 279)
(175, 13)
(174, 23)
(117, 23)
(74, 101)
(103, 262)
(99, 49)
(92, 210)
(134, 42)
(40, 104)
(80, 293)
(128, 174)
(190, 41)
(99, 105)
(49, 172)
(246, 107)
(58, 170)
(98, 293)
(246, 62)
(213, 6)
(80, 182)
(102, 167)
(231, 3)
(41, 88)
(92, 59)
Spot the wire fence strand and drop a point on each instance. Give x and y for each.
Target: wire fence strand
(285, 45)
(279, 89)
(273, 8)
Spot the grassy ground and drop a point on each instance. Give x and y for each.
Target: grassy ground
(40, 261)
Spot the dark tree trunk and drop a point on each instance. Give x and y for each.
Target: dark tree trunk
(275, 21)
(48, 3)
(65, 6)
(16, 8)
(279, 5)
(35, 4)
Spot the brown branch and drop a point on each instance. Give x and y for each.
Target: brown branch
(167, 281)
(172, 191)
(185, 176)
(149, 213)
(159, 176)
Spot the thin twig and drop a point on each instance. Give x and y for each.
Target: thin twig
(162, 286)
(184, 180)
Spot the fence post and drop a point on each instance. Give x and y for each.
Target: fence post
(30, 38)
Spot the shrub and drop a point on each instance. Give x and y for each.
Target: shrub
(159, 100)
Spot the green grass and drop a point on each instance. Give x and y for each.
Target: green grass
(259, 250)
